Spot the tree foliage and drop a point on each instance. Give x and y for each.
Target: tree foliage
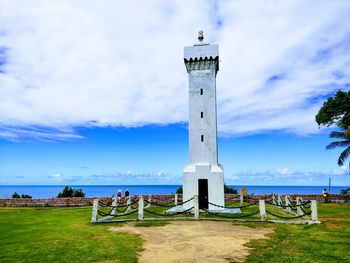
(229, 190)
(336, 110)
(345, 191)
(70, 192)
(179, 190)
(15, 195)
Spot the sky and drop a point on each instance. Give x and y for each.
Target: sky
(95, 92)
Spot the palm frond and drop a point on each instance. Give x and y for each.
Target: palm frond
(339, 135)
(338, 144)
(342, 157)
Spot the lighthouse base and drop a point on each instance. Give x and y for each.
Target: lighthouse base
(207, 181)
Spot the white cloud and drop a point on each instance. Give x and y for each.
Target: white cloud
(286, 176)
(342, 170)
(133, 178)
(56, 177)
(83, 63)
(283, 171)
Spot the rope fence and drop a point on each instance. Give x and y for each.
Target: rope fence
(269, 207)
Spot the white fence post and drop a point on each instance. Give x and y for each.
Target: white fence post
(274, 199)
(299, 211)
(279, 200)
(140, 213)
(128, 203)
(114, 204)
(262, 210)
(288, 204)
(196, 206)
(149, 200)
(241, 199)
(94, 216)
(314, 210)
(176, 198)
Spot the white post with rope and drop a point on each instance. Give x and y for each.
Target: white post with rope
(288, 204)
(140, 212)
(149, 201)
(176, 199)
(94, 217)
(196, 206)
(279, 200)
(128, 204)
(314, 210)
(299, 210)
(114, 205)
(241, 199)
(274, 199)
(262, 210)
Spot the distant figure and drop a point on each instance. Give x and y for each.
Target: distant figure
(325, 195)
(126, 193)
(244, 193)
(119, 194)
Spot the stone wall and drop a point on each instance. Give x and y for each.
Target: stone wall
(87, 201)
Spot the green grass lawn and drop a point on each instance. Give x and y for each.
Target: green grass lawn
(328, 242)
(66, 235)
(61, 235)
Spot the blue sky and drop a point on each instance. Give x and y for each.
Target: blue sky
(157, 154)
(96, 93)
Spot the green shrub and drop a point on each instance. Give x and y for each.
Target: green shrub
(26, 196)
(15, 195)
(70, 192)
(345, 191)
(229, 190)
(179, 190)
(78, 193)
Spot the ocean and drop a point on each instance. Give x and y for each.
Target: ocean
(47, 191)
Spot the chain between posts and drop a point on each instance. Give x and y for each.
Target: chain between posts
(109, 214)
(157, 204)
(242, 206)
(284, 217)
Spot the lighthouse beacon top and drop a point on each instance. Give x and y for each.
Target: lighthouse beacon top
(201, 51)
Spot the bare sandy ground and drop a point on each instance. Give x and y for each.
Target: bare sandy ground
(202, 241)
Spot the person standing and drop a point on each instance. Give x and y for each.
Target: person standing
(126, 193)
(119, 195)
(325, 195)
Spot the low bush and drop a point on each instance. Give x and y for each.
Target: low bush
(229, 190)
(15, 195)
(70, 192)
(179, 190)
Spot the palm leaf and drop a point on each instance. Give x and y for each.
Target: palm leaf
(335, 134)
(345, 154)
(338, 144)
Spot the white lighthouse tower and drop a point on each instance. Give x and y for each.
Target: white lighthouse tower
(203, 176)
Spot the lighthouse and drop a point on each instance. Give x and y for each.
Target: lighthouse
(203, 176)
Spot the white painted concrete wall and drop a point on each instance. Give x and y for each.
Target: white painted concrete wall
(215, 176)
(202, 64)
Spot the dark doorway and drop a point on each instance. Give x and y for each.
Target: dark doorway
(203, 193)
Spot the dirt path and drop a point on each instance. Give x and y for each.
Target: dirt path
(203, 241)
